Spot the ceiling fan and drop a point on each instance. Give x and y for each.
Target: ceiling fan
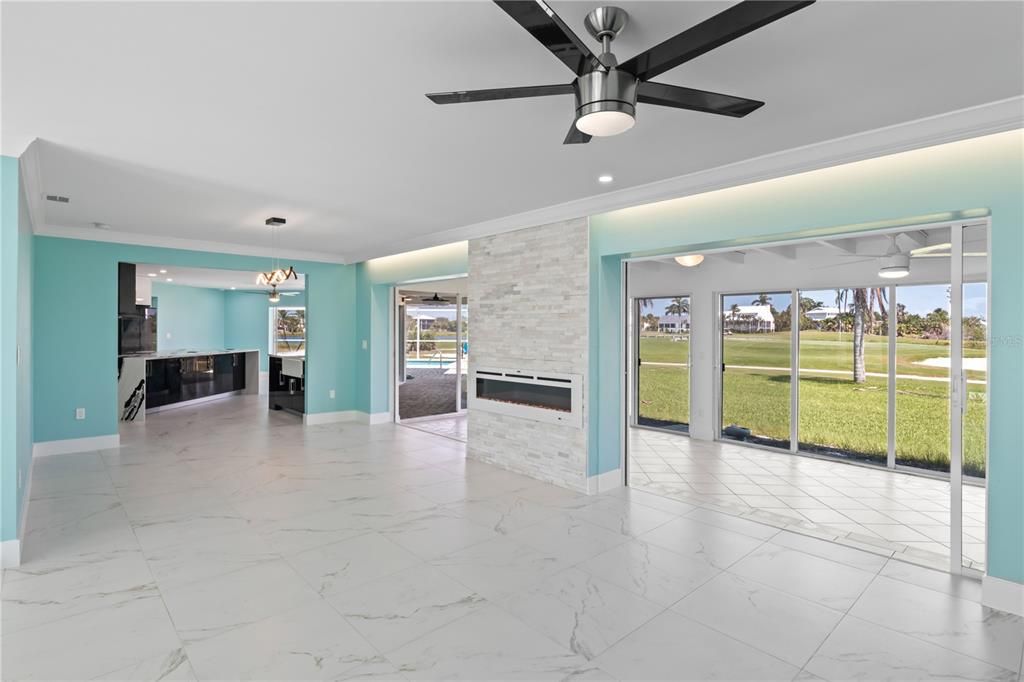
(607, 92)
(436, 300)
(895, 263)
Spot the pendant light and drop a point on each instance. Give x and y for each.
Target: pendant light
(277, 274)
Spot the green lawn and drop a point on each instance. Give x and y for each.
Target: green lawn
(834, 412)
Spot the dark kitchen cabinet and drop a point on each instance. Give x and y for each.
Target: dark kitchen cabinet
(175, 380)
(286, 392)
(126, 289)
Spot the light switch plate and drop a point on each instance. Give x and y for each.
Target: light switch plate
(330, 393)
(79, 413)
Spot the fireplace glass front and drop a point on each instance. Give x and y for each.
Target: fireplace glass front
(557, 398)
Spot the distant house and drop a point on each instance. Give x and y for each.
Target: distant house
(424, 321)
(749, 319)
(822, 313)
(673, 324)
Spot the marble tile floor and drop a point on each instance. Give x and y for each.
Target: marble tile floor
(233, 543)
(889, 511)
(455, 426)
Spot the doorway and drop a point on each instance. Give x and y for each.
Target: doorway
(823, 394)
(431, 353)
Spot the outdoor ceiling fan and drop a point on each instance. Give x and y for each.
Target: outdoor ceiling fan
(436, 300)
(895, 263)
(607, 92)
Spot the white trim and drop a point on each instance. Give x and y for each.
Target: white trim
(264, 383)
(375, 418)
(10, 553)
(331, 417)
(984, 119)
(609, 480)
(69, 445)
(1004, 595)
(134, 238)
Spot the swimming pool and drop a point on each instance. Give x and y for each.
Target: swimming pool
(426, 362)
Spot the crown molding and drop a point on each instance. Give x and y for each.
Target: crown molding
(984, 119)
(136, 239)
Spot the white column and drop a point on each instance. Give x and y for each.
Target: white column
(958, 400)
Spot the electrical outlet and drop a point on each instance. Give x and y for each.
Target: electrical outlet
(365, 344)
(79, 413)
(330, 393)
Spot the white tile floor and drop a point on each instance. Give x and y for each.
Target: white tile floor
(230, 542)
(455, 426)
(904, 513)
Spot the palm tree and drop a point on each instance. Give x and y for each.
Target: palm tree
(860, 311)
(762, 299)
(678, 306)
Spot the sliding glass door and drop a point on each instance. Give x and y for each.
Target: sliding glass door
(844, 369)
(756, 361)
(971, 330)
(663, 363)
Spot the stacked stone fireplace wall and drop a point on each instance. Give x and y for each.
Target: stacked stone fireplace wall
(528, 310)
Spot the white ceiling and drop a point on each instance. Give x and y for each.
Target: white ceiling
(211, 278)
(196, 121)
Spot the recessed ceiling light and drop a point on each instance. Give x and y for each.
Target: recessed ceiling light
(163, 272)
(232, 288)
(605, 179)
(150, 274)
(169, 279)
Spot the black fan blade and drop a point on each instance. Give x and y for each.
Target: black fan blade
(731, 24)
(553, 33)
(460, 96)
(696, 100)
(576, 136)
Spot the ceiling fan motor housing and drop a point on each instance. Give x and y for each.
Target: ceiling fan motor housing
(611, 90)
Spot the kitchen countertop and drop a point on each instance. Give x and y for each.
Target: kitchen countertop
(161, 355)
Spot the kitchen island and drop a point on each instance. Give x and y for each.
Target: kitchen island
(149, 382)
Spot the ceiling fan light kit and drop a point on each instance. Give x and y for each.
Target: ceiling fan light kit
(895, 266)
(607, 92)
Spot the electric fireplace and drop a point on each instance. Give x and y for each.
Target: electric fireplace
(541, 396)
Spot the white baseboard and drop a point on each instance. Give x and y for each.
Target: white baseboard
(331, 417)
(1004, 595)
(10, 553)
(609, 480)
(68, 445)
(346, 416)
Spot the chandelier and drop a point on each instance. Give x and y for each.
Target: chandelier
(277, 274)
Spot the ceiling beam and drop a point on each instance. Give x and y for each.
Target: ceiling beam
(787, 251)
(847, 245)
(736, 257)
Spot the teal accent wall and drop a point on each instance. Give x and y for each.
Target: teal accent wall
(937, 183)
(15, 350)
(247, 320)
(193, 316)
(75, 334)
(375, 278)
